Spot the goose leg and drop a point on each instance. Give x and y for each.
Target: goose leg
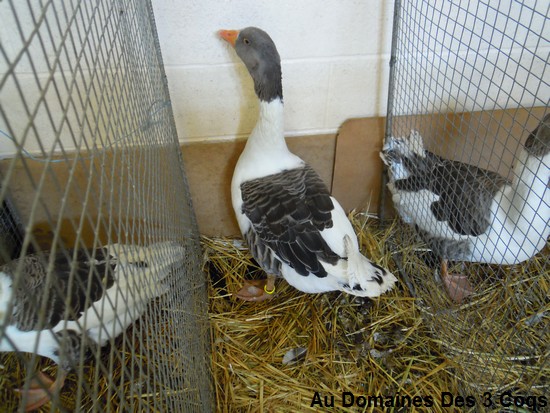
(257, 290)
(457, 285)
(40, 389)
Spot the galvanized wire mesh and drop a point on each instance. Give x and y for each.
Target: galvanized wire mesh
(472, 78)
(90, 157)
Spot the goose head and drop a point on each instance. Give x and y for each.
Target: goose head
(260, 56)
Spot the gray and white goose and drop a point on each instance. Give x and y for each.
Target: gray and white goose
(294, 228)
(466, 213)
(92, 293)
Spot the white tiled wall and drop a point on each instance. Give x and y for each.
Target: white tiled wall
(474, 55)
(335, 57)
(334, 53)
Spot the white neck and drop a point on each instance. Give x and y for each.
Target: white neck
(268, 134)
(5, 295)
(265, 152)
(528, 198)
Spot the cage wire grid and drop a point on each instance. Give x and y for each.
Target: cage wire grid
(89, 158)
(472, 78)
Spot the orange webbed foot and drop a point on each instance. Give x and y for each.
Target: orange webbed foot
(458, 287)
(40, 389)
(257, 290)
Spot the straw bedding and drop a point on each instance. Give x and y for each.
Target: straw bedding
(411, 347)
(120, 382)
(411, 342)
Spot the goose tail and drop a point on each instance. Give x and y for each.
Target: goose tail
(366, 279)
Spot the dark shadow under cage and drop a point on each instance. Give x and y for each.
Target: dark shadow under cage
(467, 148)
(91, 159)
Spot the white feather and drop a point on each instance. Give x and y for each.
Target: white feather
(266, 153)
(120, 305)
(520, 212)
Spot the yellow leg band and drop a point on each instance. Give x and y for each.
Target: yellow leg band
(269, 292)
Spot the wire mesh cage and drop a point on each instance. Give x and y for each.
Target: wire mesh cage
(467, 153)
(103, 268)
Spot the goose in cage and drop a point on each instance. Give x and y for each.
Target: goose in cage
(87, 299)
(466, 213)
(294, 228)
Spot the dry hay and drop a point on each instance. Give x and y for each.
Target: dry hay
(399, 344)
(395, 345)
(108, 384)
(124, 378)
(499, 337)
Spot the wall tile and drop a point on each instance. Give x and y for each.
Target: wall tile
(309, 28)
(358, 88)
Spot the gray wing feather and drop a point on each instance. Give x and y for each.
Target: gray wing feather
(288, 211)
(64, 294)
(465, 191)
(261, 252)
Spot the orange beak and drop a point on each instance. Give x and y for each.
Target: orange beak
(230, 36)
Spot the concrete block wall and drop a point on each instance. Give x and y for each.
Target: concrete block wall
(335, 58)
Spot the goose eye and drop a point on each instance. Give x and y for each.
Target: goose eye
(246, 41)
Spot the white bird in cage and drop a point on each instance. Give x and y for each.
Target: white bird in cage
(293, 226)
(466, 213)
(87, 299)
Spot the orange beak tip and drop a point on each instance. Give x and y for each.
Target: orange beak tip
(230, 36)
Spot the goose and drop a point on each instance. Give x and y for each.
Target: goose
(294, 228)
(87, 299)
(469, 214)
